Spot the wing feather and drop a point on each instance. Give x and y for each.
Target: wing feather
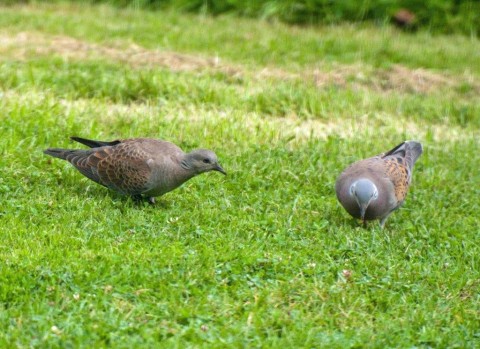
(122, 167)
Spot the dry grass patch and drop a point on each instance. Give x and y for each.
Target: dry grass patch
(297, 130)
(26, 45)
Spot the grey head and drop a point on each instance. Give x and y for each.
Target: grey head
(200, 161)
(364, 191)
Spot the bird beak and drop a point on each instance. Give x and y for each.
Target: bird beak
(220, 169)
(363, 209)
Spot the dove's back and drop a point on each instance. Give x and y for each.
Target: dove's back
(391, 172)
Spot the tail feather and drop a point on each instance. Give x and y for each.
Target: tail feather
(398, 149)
(408, 150)
(94, 144)
(413, 151)
(59, 153)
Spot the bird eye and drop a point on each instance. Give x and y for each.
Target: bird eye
(207, 161)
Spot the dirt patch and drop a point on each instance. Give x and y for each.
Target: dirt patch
(398, 78)
(24, 45)
(417, 80)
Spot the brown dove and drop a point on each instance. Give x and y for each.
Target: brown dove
(138, 167)
(373, 188)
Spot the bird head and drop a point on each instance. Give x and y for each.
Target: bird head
(202, 160)
(364, 191)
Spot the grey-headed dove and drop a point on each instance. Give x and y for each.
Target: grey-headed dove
(375, 187)
(139, 167)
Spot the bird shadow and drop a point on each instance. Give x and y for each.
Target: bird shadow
(355, 223)
(367, 225)
(144, 202)
(138, 202)
(100, 193)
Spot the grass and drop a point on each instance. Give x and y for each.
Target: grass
(264, 257)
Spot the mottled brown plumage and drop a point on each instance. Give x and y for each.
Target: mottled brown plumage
(139, 167)
(375, 187)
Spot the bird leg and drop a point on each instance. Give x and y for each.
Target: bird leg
(137, 198)
(382, 221)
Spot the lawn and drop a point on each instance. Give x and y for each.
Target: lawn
(266, 256)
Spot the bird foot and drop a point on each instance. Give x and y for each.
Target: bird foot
(137, 198)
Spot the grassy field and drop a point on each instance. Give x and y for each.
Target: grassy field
(264, 257)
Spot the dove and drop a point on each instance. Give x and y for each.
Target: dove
(138, 167)
(375, 187)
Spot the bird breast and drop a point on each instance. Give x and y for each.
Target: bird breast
(385, 202)
(166, 175)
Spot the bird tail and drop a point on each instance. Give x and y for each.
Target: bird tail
(59, 153)
(399, 149)
(409, 150)
(413, 151)
(94, 144)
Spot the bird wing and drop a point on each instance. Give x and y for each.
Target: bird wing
(399, 175)
(398, 170)
(123, 167)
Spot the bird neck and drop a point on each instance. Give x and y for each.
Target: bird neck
(185, 165)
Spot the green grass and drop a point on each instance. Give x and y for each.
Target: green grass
(250, 42)
(254, 259)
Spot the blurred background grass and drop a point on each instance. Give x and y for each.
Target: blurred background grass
(440, 16)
